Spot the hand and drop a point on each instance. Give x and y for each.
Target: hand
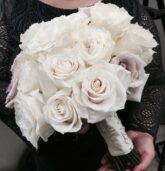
(145, 146)
(85, 127)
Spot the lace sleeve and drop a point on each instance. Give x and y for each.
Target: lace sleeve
(6, 115)
(144, 116)
(4, 58)
(4, 51)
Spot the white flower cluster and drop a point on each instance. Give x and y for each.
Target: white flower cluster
(82, 66)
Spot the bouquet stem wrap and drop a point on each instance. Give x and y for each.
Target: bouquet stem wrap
(120, 146)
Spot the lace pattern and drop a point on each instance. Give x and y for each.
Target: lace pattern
(3, 50)
(144, 116)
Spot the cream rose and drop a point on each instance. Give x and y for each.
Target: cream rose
(62, 112)
(29, 117)
(94, 43)
(52, 34)
(136, 40)
(24, 68)
(46, 36)
(101, 89)
(111, 17)
(61, 67)
(28, 71)
(12, 92)
(47, 86)
(77, 21)
(135, 65)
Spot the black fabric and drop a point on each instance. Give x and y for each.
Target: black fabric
(69, 152)
(15, 18)
(82, 153)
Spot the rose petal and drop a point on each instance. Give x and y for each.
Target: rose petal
(110, 100)
(29, 117)
(135, 65)
(62, 113)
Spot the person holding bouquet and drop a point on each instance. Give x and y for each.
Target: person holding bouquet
(84, 150)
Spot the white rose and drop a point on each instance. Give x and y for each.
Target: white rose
(12, 92)
(29, 117)
(52, 34)
(62, 113)
(101, 89)
(24, 69)
(94, 43)
(62, 67)
(46, 35)
(137, 40)
(24, 77)
(47, 86)
(111, 17)
(77, 21)
(28, 80)
(29, 34)
(135, 65)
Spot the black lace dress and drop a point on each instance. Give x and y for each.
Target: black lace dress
(69, 151)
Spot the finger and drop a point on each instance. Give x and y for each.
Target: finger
(105, 167)
(105, 159)
(105, 170)
(85, 127)
(138, 168)
(145, 162)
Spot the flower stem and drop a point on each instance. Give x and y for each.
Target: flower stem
(123, 162)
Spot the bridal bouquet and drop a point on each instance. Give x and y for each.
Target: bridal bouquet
(81, 67)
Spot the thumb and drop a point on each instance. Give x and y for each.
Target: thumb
(105, 159)
(145, 162)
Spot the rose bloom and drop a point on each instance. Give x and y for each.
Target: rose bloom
(58, 70)
(94, 43)
(135, 65)
(116, 20)
(29, 117)
(136, 40)
(24, 68)
(56, 33)
(41, 37)
(101, 89)
(62, 112)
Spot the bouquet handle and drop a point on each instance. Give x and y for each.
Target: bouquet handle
(123, 154)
